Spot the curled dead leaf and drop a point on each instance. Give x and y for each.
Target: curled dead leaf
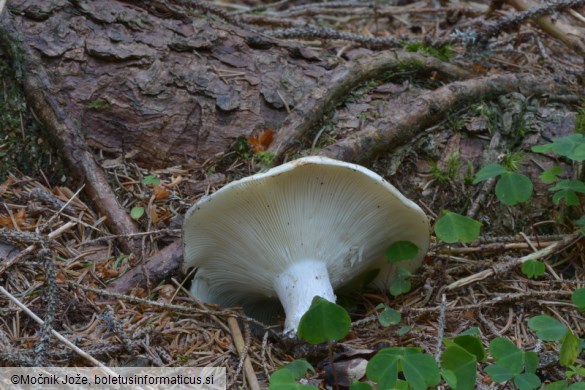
(160, 193)
(262, 141)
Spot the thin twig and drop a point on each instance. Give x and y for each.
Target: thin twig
(441, 328)
(8, 263)
(61, 338)
(513, 262)
(242, 351)
(310, 32)
(63, 207)
(179, 308)
(129, 235)
(51, 306)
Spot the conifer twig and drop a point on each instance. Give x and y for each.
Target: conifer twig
(58, 335)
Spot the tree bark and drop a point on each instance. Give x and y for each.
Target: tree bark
(162, 83)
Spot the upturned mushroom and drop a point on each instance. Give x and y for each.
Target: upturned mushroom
(305, 228)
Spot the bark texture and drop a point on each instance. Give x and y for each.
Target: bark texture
(170, 86)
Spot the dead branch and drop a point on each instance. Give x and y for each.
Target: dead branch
(388, 133)
(312, 32)
(513, 262)
(326, 96)
(162, 265)
(553, 29)
(31, 248)
(38, 87)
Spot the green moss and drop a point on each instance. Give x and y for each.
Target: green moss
(580, 121)
(265, 158)
(444, 53)
(403, 68)
(98, 105)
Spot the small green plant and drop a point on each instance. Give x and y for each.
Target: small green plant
(151, 180)
(450, 171)
(286, 379)
(578, 298)
(512, 187)
(137, 212)
(567, 190)
(242, 148)
(98, 105)
(533, 269)
(512, 363)
(438, 174)
(401, 251)
(459, 360)
(388, 316)
(400, 283)
(324, 322)
(571, 146)
(550, 329)
(453, 227)
(420, 370)
(512, 161)
(551, 175)
(454, 163)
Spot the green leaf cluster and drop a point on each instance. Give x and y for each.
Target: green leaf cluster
(324, 321)
(533, 269)
(420, 370)
(400, 283)
(286, 377)
(409, 368)
(571, 146)
(512, 363)
(388, 316)
(453, 227)
(511, 188)
(401, 250)
(460, 359)
(152, 180)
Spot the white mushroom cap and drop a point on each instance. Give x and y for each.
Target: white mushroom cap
(305, 228)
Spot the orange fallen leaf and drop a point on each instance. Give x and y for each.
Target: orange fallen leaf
(160, 192)
(166, 292)
(19, 218)
(60, 278)
(262, 141)
(6, 222)
(479, 68)
(6, 185)
(152, 213)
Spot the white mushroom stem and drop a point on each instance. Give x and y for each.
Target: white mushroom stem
(297, 286)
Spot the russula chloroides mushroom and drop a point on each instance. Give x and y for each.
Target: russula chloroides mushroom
(305, 228)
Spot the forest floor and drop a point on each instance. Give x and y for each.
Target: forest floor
(45, 208)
